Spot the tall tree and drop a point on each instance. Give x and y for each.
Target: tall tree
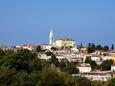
(38, 49)
(106, 65)
(2, 52)
(81, 45)
(112, 47)
(106, 48)
(91, 47)
(99, 47)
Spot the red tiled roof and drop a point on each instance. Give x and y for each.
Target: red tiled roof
(112, 51)
(95, 55)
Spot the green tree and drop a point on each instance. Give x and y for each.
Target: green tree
(51, 77)
(23, 60)
(106, 65)
(91, 47)
(111, 82)
(26, 79)
(2, 53)
(62, 64)
(81, 45)
(54, 48)
(48, 53)
(7, 76)
(99, 83)
(53, 60)
(106, 48)
(38, 49)
(71, 69)
(92, 63)
(112, 47)
(88, 59)
(99, 47)
(83, 81)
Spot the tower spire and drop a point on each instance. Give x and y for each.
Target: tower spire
(51, 38)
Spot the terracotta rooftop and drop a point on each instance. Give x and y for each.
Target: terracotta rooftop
(112, 51)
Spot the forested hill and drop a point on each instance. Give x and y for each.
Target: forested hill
(23, 68)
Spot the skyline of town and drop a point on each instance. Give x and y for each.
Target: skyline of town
(54, 40)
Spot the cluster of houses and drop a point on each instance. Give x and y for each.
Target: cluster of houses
(76, 54)
(66, 48)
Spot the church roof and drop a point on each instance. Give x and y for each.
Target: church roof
(66, 39)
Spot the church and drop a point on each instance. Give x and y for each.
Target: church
(62, 42)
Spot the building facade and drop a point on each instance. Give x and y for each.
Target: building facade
(65, 42)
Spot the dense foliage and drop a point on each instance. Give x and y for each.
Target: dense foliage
(23, 68)
(92, 47)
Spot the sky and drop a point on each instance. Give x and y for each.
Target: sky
(30, 21)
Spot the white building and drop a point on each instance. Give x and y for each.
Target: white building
(74, 49)
(46, 47)
(84, 68)
(96, 76)
(96, 57)
(106, 58)
(112, 53)
(43, 56)
(113, 68)
(29, 47)
(101, 52)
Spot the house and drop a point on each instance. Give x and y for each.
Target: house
(96, 76)
(96, 57)
(84, 68)
(29, 47)
(113, 68)
(101, 52)
(106, 57)
(112, 52)
(43, 56)
(70, 57)
(84, 50)
(113, 58)
(45, 47)
(74, 49)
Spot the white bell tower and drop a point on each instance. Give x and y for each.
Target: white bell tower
(51, 38)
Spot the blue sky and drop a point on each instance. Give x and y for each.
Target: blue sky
(29, 21)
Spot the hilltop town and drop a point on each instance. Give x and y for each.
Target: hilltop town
(94, 62)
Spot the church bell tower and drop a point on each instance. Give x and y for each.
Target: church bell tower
(51, 38)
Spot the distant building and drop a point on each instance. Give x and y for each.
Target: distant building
(112, 52)
(84, 68)
(106, 57)
(65, 42)
(29, 47)
(113, 58)
(45, 47)
(96, 76)
(101, 52)
(84, 50)
(43, 56)
(113, 68)
(96, 57)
